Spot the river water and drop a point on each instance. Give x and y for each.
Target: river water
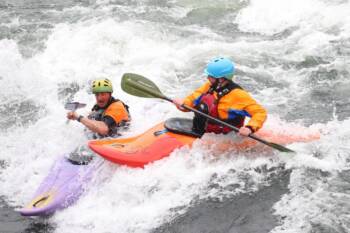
(293, 56)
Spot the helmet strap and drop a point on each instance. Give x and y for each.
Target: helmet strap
(215, 85)
(220, 83)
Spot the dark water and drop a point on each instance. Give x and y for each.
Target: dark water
(35, 20)
(249, 212)
(12, 222)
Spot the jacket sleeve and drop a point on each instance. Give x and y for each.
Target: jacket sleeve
(257, 113)
(194, 98)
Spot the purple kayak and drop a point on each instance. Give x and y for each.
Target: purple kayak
(63, 186)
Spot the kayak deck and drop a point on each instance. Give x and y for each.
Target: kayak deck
(154, 144)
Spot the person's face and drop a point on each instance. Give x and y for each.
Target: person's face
(102, 98)
(213, 80)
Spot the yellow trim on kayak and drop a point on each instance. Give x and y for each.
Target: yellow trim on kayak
(42, 200)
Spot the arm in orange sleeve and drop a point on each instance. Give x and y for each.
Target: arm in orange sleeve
(190, 100)
(259, 115)
(256, 111)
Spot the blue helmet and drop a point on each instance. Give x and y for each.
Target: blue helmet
(220, 67)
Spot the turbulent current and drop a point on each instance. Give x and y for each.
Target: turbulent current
(292, 56)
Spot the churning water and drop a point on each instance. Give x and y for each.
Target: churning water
(293, 56)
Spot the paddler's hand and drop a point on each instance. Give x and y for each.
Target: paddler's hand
(178, 103)
(245, 131)
(72, 115)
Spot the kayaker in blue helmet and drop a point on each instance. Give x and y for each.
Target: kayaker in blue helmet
(108, 114)
(222, 98)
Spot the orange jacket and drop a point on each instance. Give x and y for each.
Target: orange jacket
(117, 111)
(237, 101)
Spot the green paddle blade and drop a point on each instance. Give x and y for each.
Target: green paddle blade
(137, 85)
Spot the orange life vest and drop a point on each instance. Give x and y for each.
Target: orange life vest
(208, 103)
(116, 111)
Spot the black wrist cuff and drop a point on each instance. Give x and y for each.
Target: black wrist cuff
(79, 118)
(251, 128)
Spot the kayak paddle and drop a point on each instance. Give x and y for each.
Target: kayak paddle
(138, 85)
(73, 106)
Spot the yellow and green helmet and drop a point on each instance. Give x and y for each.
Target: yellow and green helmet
(102, 85)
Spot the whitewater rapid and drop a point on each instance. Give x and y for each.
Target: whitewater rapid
(292, 56)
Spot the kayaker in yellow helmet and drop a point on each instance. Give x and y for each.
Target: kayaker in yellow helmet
(221, 98)
(108, 114)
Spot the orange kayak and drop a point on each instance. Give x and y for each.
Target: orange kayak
(159, 141)
(155, 144)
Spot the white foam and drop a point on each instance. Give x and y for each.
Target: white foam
(273, 16)
(138, 200)
(316, 199)
(122, 199)
(315, 24)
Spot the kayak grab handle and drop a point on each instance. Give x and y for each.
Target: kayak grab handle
(40, 200)
(160, 132)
